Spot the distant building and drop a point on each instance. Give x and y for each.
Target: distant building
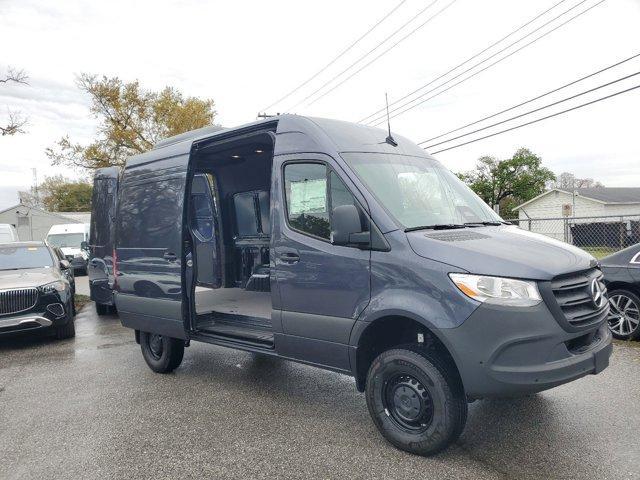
(596, 217)
(588, 202)
(33, 223)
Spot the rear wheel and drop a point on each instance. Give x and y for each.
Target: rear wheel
(162, 354)
(624, 315)
(416, 400)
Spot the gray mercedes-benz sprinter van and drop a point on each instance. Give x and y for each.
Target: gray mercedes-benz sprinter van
(333, 244)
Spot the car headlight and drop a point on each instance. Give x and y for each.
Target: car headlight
(57, 286)
(497, 290)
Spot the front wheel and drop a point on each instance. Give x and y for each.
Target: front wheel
(624, 314)
(68, 330)
(162, 354)
(416, 400)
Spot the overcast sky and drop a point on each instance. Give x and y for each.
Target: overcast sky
(247, 54)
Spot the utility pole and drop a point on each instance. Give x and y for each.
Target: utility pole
(35, 186)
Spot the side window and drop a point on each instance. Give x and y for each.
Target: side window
(306, 195)
(202, 216)
(308, 204)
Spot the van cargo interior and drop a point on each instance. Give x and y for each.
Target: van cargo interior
(230, 224)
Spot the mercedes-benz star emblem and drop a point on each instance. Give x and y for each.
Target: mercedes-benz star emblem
(596, 293)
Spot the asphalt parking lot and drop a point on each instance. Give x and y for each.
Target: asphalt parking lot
(90, 408)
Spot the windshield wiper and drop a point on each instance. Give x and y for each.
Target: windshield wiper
(439, 226)
(485, 224)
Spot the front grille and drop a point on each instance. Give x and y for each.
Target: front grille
(14, 301)
(574, 295)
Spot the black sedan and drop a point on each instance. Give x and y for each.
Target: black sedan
(35, 292)
(622, 277)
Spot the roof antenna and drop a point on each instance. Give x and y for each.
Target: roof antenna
(390, 140)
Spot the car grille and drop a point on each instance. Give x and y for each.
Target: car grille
(13, 301)
(574, 296)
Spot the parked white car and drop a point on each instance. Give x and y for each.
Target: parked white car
(72, 239)
(8, 233)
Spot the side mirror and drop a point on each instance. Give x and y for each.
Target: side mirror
(65, 265)
(346, 228)
(84, 245)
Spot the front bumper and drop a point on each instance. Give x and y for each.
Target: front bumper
(50, 311)
(78, 263)
(508, 351)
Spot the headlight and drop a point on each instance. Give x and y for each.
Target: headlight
(497, 290)
(58, 286)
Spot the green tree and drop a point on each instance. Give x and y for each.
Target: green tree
(59, 194)
(509, 182)
(130, 121)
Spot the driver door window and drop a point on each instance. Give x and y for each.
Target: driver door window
(312, 191)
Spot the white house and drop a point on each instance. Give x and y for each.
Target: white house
(588, 202)
(34, 223)
(612, 205)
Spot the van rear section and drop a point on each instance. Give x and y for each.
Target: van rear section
(348, 248)
(101, 238)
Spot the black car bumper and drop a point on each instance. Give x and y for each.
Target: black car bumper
(508, 351)
(78, 263)
(50, 311)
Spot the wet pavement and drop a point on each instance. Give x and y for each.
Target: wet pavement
(90, 408)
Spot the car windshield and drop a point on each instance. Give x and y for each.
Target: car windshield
(65, 239)
(15, 258)
(419, 192)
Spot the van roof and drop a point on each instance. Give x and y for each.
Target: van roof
(296, 134)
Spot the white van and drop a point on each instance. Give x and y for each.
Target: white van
(72, 239)
(8, 233)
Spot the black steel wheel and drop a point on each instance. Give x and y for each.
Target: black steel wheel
(624, 314)
(163, 354)
(416, 399)
(408, 402)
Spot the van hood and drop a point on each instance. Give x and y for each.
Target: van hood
(33, 277)
(505, 251)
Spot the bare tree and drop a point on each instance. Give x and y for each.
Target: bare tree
(15, 120)
(568, 181)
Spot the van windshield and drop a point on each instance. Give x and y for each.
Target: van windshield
(65, 239)
(419, 192)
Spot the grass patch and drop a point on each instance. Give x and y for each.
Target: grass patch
(81, 301)
(600, 252)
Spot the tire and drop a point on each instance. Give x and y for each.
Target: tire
(624, 316)
(102, 309)
(162, 354)
(68, 330)
(416, 400)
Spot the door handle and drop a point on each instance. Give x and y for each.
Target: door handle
(170, 256)
(289, 257)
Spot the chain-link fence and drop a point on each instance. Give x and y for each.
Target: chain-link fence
(600, 236)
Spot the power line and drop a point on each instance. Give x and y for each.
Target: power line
(532, 111)
(538, 119)
(423, 100)
(366, 54)
(338, 57)
(467, 60)
(383, 53)
(534, 98)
